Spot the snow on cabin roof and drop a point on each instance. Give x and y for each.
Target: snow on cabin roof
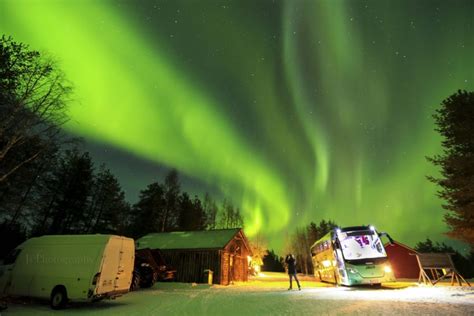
(208, 239)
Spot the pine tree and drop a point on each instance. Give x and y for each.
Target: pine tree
(199, 215)
(172, 190)
(317, 231)
(65, 196)
(191, 213)
(108, 208)
(185, 219)
(455, 122)
(72, 196)
(272, 262)
(147, 214)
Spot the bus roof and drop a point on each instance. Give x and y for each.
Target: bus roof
(353, 228)
(328, 236)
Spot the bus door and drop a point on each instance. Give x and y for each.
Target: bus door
(340, 266)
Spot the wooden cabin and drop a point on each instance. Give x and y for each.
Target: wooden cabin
(403, 260)
(223, 251)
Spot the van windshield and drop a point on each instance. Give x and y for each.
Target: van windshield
(361, 245)
(11, 257)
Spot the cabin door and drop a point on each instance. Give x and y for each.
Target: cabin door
(231, 269)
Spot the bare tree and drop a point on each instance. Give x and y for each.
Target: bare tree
(211, 209)
(229, 216)
(300, 248)
(259, 247)
(33, 98)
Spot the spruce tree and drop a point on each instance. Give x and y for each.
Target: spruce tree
(455, 123)
(172, 190)
(108, 208)
(65, 195)
(147, 216)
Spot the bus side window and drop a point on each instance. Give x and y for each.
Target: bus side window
(379, 247)
(11, 257)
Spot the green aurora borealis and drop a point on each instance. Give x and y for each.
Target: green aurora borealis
(298, 110)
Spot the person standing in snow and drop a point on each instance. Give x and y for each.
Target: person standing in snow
(291, 264)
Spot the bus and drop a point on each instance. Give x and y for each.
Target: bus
(352, 256)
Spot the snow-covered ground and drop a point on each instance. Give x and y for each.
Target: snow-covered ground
(268, 295)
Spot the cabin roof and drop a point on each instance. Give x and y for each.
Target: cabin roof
(208, 239)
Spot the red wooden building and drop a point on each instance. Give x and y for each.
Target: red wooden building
(403, 260)
(223, 251)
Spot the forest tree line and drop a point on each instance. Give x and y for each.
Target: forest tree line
(49, 186)
(67, 194)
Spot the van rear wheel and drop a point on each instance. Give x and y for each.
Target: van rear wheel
(58, 298)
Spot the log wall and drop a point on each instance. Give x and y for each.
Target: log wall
(190, 264)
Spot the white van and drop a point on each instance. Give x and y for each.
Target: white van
(69, 267)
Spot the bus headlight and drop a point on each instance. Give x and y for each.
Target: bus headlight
(387, 269)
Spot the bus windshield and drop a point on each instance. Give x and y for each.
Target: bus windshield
(361, 245)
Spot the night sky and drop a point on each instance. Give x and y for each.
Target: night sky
(296, 110)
